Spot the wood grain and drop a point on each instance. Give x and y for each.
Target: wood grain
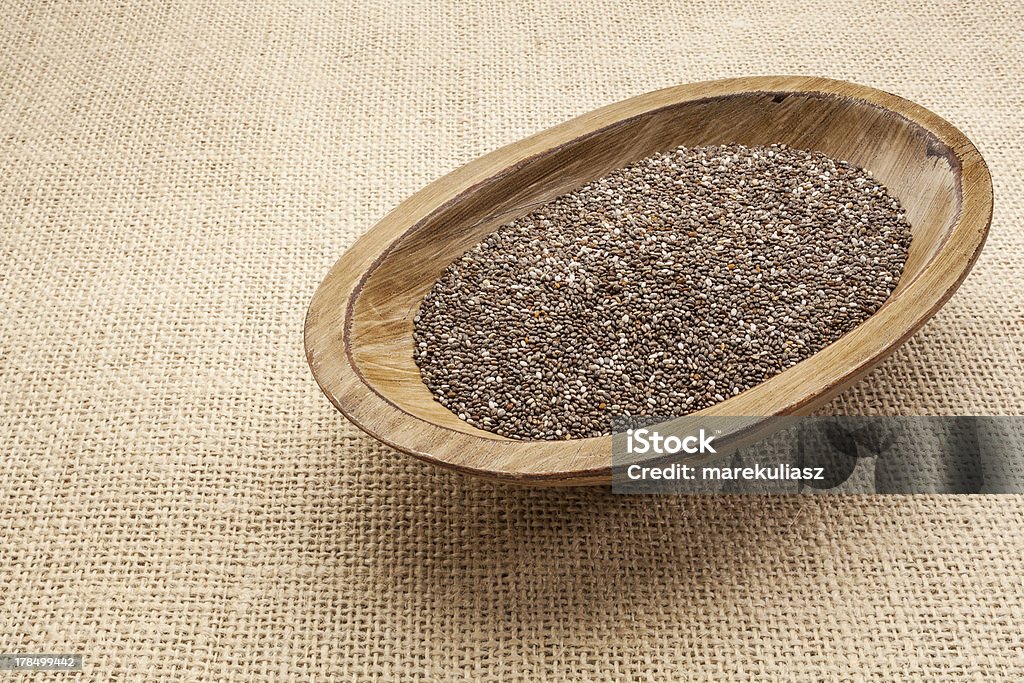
(358, 331)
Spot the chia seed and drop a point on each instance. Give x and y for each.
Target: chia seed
(664, 287)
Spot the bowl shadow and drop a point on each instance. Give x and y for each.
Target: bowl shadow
(557, 564)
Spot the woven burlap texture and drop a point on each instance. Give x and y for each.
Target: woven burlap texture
(179, 501)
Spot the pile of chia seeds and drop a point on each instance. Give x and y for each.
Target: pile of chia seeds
(665, 287)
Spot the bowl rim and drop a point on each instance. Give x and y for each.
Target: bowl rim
(329, 316)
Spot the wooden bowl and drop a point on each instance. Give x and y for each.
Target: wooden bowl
(358, 331)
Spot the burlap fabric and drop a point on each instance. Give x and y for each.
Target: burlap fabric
(179, 501)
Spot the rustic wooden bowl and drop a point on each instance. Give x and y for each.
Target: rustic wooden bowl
(358, 331)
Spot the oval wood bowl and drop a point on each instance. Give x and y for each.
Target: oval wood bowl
(358, 330)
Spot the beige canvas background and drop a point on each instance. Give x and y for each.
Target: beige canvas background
(178, 501)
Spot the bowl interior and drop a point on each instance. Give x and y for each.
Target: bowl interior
(911, 162)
